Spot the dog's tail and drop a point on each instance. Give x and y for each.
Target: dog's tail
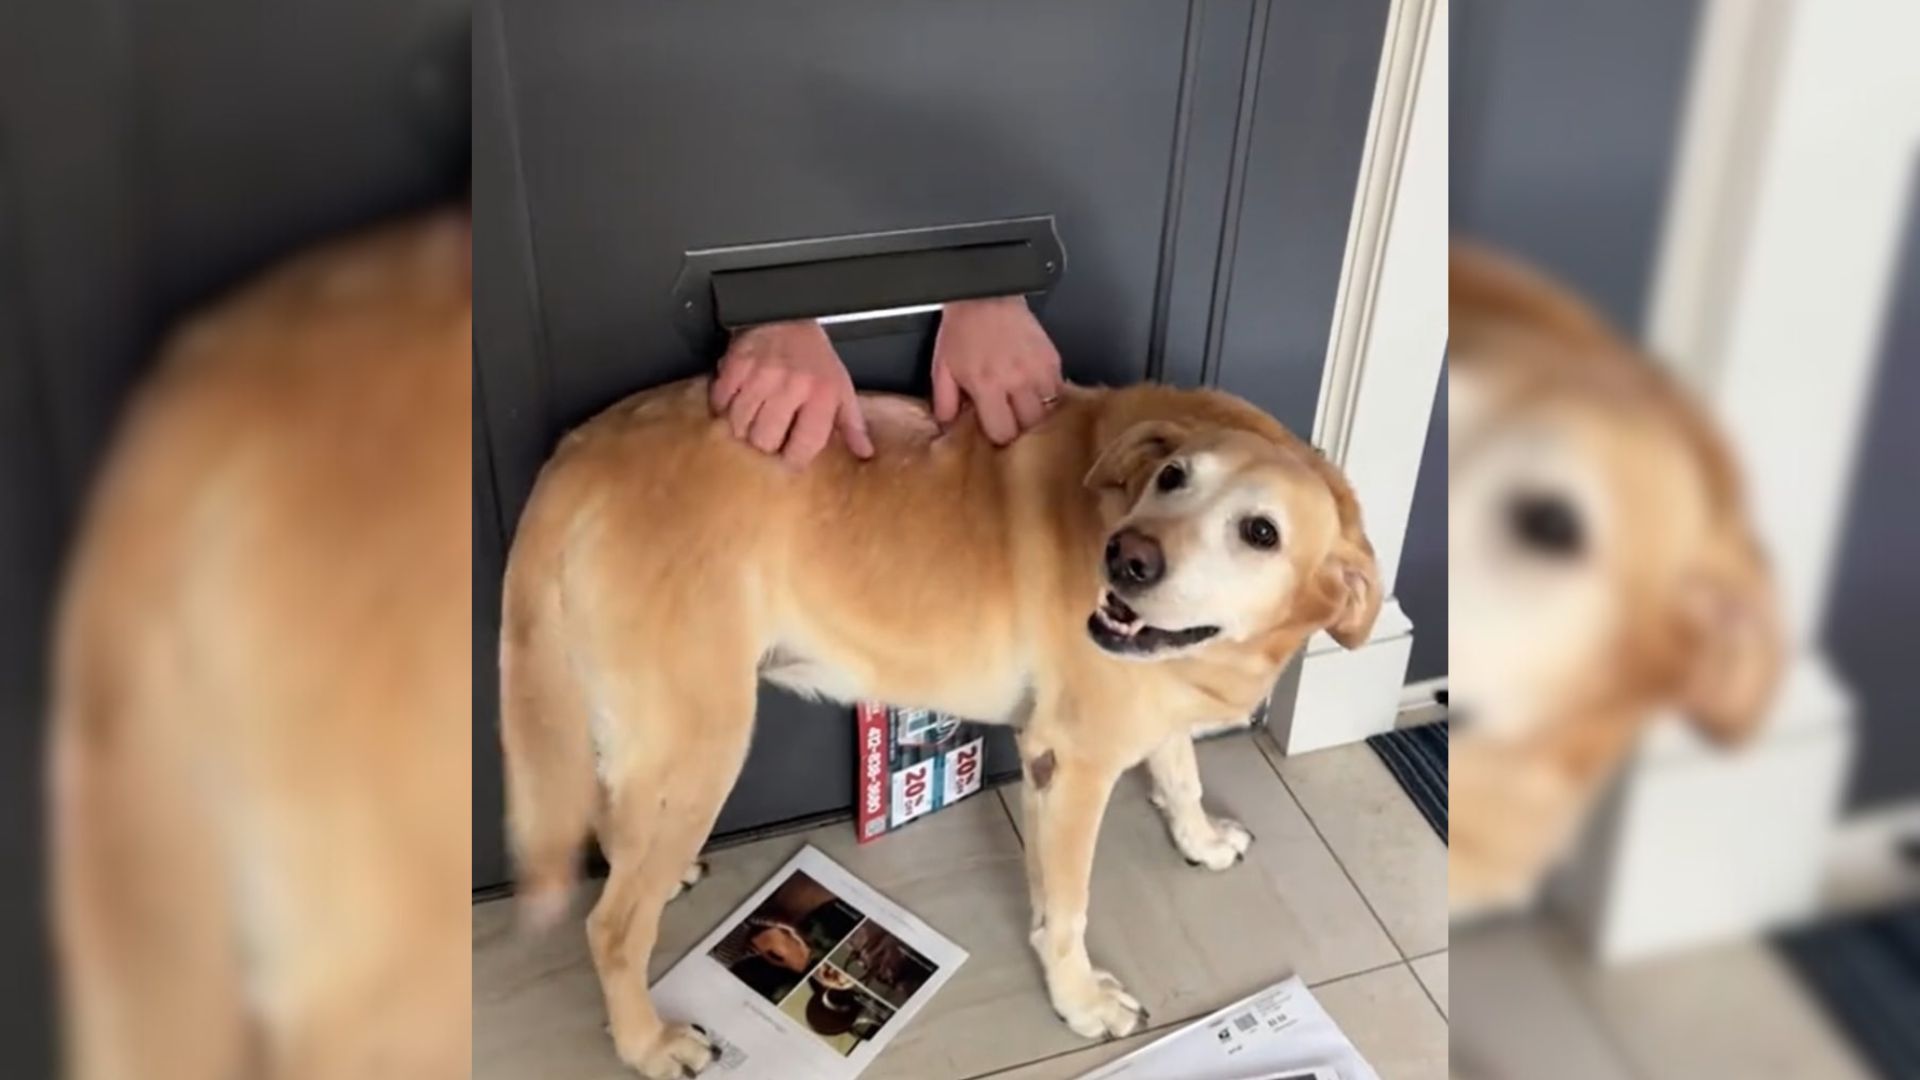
(552, 791)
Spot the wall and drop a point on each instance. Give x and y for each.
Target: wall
(147, 162)
(1422, 583)
(1875, 603)
(1585, 200)
(1582, 199)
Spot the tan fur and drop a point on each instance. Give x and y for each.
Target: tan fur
(261, 719)
(661, 565)
(1692, 621)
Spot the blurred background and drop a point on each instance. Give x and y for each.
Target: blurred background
(152, 156)
(1735, 183)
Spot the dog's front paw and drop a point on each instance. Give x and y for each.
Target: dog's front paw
(1220, 845)
(679, 1052)
(1098, 1007)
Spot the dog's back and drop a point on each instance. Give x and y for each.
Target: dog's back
(660, 560)
(262, 700)
(730, 549)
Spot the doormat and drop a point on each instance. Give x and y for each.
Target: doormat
(1865, 971)
(1417, 758)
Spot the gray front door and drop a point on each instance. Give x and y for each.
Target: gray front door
(1199, 160)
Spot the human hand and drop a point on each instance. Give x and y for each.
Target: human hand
(996, 353)
(784, 390)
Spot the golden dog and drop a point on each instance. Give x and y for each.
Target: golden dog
(260, 755)
(1601, 567)
(1137, 567)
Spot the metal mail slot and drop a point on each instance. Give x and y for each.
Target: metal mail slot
(867, 283)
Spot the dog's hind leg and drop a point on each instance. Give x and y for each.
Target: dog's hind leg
(552, 793)
(151, 978)
(1215, 843)
(675, 745)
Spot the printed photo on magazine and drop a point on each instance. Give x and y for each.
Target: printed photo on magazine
(810, 978)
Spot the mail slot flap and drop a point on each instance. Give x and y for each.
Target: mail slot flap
(845, 280)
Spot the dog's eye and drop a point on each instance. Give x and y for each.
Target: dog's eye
(1171, 478)
(1545, 523)
(1260, 532)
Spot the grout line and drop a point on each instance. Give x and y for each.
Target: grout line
(1427, 990)
(1337, 861)
(1441, 951)
(1374, 970)
(1431, 1000)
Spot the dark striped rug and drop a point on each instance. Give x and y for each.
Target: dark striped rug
(1417, 757)
(1865, 971)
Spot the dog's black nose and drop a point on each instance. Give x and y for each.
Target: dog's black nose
(1135, 559)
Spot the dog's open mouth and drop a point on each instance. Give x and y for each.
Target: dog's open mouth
(1117, 628)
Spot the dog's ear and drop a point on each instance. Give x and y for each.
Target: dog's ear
(1126, 461)
(1731, 641)
(1349, 580)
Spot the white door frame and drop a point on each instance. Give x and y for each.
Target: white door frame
(1798, 155)
(1383, 362)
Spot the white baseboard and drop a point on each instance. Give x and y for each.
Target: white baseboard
(1419, 695)
(1346, 695)
(1868, 865)
(1696, 846)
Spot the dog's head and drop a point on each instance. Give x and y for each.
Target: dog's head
(1224, 527)
(1601, 562)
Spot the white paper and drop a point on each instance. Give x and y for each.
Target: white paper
(1280, 1033)
(810, 978)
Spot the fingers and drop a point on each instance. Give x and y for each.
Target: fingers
(775, 418)
(811, 428)
(853, 425)
(1050, 383)
(996, 355)
(759, 385)
(1028, 407)
(946, 393)
(996, 416)
(733, 375)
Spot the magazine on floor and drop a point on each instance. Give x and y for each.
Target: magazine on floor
(810, 978)
(1280, 1033)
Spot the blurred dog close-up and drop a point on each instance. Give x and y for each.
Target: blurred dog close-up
(1133, 571)
(260, 749)
(1602, 569)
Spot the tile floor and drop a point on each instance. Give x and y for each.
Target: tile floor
(1535, 1006)
(1346, 886)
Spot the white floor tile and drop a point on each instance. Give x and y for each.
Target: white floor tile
(1379, 836)
(1732, 1010)
(1187, 940)
(1390, 1020)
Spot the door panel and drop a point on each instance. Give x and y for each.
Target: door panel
(646, 131)
(1287, 235)
(150, 160)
